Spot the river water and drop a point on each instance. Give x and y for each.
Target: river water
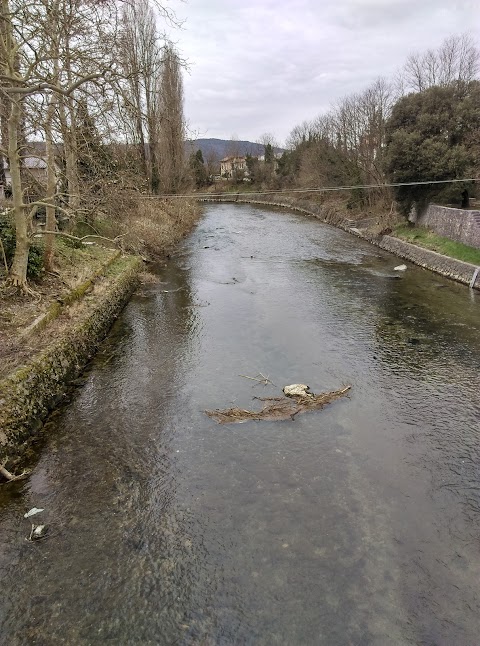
(354, 525)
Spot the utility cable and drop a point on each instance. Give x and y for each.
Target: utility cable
(322, 189)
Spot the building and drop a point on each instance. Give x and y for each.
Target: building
(34, 165)
(230, 165)
(35, 168)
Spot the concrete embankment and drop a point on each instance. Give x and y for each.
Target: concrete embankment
(32, 390)
(462, 272)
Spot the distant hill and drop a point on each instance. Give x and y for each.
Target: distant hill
(220, 148)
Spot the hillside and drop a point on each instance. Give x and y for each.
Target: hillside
(216, 149)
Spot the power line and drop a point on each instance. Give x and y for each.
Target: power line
(322, 189)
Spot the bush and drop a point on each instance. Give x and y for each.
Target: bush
(35, 255)
(432, 136)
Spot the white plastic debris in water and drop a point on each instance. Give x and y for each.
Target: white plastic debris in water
(32, 512)
(297, 390)
(38, 531)
(400, 268)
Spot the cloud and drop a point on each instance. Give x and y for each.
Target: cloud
(266, 65)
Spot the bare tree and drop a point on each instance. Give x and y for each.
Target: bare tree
(300, 134)
(171, 131)
(141, 60)
(268, 139)
(233, 146)
(457, 59)
(30, 71)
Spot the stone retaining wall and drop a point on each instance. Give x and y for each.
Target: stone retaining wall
(457, 224)
(458, 270)
(462, 272)
(33, 390)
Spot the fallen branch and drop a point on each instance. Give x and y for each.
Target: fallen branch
(278, 408)
(260, 378)
(82, 240)
(10, 477)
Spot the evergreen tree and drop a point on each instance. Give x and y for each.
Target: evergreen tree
(269, 154)
(197, 166)
(434, 135)
(94, 160)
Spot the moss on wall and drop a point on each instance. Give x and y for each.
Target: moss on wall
(27, 395)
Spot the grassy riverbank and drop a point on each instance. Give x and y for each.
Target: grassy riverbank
(429, 240)
(28, 323)
(149, 226)
(48, 334)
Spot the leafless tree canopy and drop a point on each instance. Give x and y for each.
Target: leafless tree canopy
(347, 143)
(457, 59)
(171, 123)
(78, 75)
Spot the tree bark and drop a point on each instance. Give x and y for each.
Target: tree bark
(51, 221)
(18, 270)
(68, 125)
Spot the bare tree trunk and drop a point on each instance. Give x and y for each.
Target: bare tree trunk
(70, 148)
(4, 111)
(69, 131)
(9, 64)
(18, 270)
(51, 221)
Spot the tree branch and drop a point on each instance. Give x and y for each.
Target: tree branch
(10, 476)
(77, 239)
(43, 86)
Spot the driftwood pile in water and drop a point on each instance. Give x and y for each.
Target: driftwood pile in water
(278, 408)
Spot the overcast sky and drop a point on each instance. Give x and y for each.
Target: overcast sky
(260, 66)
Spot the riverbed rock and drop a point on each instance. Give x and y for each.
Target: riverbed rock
(38, 532)
(297, 390)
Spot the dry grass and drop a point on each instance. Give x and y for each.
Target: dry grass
(147, 278)
(149, 226)
(17, 312)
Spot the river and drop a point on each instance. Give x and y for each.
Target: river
(355, 525)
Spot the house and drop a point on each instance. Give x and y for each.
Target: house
(35, 169)
(230, 165)
(34, 164)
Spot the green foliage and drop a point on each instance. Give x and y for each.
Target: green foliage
(197, 166)
(253, 167)
(35, 254)
(431, 136)
(238, 176)
(425, 238)
(318, 162)
(269, 154)
(71, 243)
(357, 199)
(289, 164)
(95, 160)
